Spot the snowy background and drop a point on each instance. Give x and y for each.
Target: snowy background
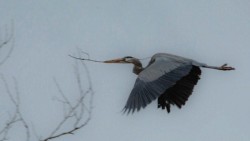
(213, 32)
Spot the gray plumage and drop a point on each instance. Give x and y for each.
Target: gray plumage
(163, 71)
(168, 77)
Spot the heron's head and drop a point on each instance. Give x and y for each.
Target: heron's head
(127, 59)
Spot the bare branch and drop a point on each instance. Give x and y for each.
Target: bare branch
(74, 111)
(17, 116)
(4, 43)
(78, 112)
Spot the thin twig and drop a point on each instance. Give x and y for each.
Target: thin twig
(86, 59)
(76, 110)
(6, 41)
(17, 117)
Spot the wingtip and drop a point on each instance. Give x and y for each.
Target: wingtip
(126, 111)
(129, 111)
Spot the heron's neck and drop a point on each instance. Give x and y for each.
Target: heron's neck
(137, 67)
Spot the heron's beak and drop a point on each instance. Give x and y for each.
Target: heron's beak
(119, 60)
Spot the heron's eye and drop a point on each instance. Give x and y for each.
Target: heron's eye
(126, 59)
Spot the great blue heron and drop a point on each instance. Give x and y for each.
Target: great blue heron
(168, 77)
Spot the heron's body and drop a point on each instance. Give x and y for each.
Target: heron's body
(168, 78)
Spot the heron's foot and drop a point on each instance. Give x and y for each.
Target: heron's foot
(226, 68)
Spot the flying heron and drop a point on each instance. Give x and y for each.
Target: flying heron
(168, 78)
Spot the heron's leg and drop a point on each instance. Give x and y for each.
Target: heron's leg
(223, 67)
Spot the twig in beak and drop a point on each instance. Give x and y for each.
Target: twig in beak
(86, 59)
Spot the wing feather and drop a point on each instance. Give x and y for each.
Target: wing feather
(161, 74)
(179, 93)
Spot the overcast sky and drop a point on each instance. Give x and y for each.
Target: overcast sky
(214, 32)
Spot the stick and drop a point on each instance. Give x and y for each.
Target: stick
(86, 59)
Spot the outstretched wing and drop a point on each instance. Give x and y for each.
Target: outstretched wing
(163, 71)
